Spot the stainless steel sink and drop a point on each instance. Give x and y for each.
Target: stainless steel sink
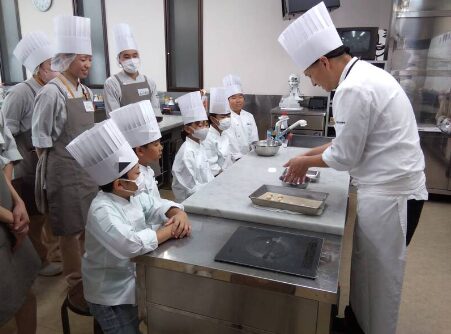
(309, 141)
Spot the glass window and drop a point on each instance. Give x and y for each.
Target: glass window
(184, 45)
(11, 69)
(95, 10)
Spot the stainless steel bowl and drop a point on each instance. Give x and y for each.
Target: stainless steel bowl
(266, 148)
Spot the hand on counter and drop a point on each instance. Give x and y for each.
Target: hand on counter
(181, 227)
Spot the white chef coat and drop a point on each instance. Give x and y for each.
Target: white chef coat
(112, 91)
(8, 149)
(160, 204)
(190, 170)
(217, 148)
(116, 230)
(378, 143)
(19, 105)
(50, 114)
(242, 132)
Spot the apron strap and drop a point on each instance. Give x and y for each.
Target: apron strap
(31, 88)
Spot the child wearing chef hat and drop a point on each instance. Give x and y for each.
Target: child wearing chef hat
(139, 126)
(116, 228)
(191, 169)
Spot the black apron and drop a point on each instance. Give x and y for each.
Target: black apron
(19, 269)
(70, 189)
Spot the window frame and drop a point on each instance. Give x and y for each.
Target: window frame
(170, 86)
(78, 11)
(2, 68)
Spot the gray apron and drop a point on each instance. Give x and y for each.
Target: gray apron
(134, 92)
(19, 269)
(70, 189)
(25, 170)
(130, 94)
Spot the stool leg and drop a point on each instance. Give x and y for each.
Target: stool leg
(97, 328)
(65, 318)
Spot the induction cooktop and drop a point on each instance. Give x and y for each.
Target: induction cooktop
(284, 252)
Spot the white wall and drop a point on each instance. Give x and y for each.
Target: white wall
(239, 37)
(33, 20)
(146, 18)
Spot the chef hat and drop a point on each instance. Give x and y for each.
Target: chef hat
(218, 101)
(231, 79)
(192, 108)
(137, 123)
(311, 36)
(232, 90)
(72, 34)
(103, 152)
(124, 38)
(33, 49)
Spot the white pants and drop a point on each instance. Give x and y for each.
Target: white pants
(378, 261)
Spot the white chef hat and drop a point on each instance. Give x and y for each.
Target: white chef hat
(232, 90)
(103, 152)
(33, 49)
(218, 101)
(311, 36)
(124, 38)
(137, 123)
(231, 79)
(72, 35)
(192, 108)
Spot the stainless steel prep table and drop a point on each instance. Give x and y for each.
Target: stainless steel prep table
(182, 289)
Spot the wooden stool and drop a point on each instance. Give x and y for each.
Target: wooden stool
(76, 302)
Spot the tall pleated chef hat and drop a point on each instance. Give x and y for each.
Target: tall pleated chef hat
(124, 38)
(311, 36)
(33, 49)
(103, 152)
(192, 108)
(137, 123)
(218, 101)
(232, 83)
(72, 35)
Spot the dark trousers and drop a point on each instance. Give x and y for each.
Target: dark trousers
(414, 209)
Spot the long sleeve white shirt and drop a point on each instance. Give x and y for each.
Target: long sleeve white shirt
(217, 148)
(377, 138)
(161, 205)
(190, 170)
(242, 132)
(116, 230)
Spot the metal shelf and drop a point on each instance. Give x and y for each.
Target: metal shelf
(422, 13)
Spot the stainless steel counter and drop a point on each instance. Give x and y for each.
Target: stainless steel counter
(182, 289)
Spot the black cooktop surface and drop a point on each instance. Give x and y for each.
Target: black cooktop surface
(283, 252)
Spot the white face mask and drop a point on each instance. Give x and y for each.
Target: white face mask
(131, 65)
(224, 124)
(139, 185)
(200, 134)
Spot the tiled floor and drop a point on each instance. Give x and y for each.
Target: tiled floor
(425, 301)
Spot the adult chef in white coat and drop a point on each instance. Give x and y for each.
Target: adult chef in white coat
(34, 51)
(243, 130)
(129, 85)
(377, 142)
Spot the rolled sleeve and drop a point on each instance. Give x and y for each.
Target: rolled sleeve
(9, 152)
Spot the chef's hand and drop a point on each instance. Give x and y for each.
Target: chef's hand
(21, 219)
(181, 226)
(296, 170)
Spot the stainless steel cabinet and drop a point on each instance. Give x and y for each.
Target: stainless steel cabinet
(420, 59)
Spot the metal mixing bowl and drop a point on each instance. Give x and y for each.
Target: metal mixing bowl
(266, 148)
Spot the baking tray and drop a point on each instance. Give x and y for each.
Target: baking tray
(314, 195)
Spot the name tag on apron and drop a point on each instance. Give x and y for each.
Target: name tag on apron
(89, 106)
(143, 91)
